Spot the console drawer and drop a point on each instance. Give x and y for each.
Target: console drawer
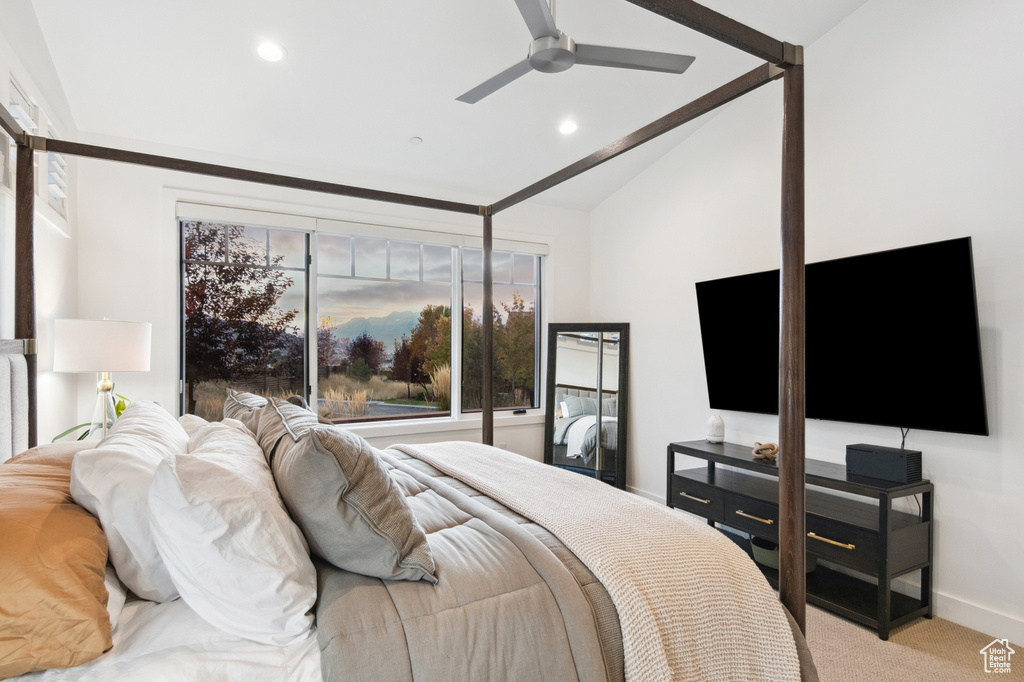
(842, 543)
(696, 497)
(753, 516)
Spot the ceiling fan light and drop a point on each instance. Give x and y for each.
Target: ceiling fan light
(568, 127)
(271, 51)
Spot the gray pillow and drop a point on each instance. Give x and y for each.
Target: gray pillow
(280, 419)
(610, 407)
(340, 493)
(244, 407)
(578, 405)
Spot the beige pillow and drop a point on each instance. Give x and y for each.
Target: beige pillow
(341, 495)
(245, 407)
(52, 563)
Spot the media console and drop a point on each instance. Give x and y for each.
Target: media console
(871, 539)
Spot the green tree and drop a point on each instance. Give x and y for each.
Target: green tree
(360, 371)
(472, 359)
(514, 344)
(431, 340)
(233, 325)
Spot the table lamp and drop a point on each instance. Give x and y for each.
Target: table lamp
(102, 346)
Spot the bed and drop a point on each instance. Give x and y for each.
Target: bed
(286, 549)
(575, 432)
(724, 580)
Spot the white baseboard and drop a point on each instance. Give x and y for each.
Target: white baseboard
(980, 618)
(993, 623)
(659, 498)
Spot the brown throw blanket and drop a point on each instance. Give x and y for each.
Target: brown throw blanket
(692, 605)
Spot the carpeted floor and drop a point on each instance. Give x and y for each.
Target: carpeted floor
(935, 650)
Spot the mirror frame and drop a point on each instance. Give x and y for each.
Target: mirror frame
(622, 328)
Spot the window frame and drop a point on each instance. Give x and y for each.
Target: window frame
(182, 279)
(195, 206)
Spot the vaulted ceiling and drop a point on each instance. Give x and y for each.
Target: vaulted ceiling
(362, 78)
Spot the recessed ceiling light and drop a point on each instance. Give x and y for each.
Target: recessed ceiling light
(416, 140)
(568, 127)
(271, 51)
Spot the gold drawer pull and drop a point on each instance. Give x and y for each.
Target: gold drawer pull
(755, 518)
(695, 499)
(831, 542)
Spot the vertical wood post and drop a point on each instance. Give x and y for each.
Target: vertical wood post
(24, 275)
(487, 381)
(792, 397)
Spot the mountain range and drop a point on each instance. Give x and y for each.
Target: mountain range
(387, 329)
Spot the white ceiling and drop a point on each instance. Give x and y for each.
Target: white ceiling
(362, 78)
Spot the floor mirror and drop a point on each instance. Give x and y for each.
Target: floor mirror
(587, 399)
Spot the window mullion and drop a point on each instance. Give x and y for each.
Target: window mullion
(456, 357)
(312, 323)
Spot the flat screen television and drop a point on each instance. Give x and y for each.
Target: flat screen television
(892, 339)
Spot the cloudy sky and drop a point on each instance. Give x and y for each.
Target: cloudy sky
(391, 275)
(344, 299)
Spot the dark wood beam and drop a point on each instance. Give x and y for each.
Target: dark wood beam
(11, 126)
(487, 381)
(200, 168)
(712, 100)
(24, 275)
(718, 26)
(792, 398)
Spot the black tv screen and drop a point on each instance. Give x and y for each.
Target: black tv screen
(892, 339)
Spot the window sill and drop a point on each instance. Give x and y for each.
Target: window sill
(469, 424)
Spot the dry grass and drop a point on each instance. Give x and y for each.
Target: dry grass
(209, 404)
(441, 386)
(210, 397)
(341, 405)
(377, 388)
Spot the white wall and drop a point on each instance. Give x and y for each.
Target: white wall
(23, 56)
(913, 135)
(128, 260)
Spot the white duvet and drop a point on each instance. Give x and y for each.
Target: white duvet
(171, 643)
(577, 433)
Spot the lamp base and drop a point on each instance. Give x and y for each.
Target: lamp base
(103, 415)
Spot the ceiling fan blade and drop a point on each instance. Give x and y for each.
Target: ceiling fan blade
(624, 58)
(538, 18)
(499, 81)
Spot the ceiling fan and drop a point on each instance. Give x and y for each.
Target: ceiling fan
(552, 51)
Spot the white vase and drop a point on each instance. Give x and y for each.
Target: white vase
(716, 429)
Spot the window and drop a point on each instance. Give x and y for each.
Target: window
(384, 331)
(516, 292)
(7, 160)
(24, 112)
(376, 326)
(22, 109)
(244, 309)
(56, 177)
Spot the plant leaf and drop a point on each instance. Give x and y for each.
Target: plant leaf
(73, 428)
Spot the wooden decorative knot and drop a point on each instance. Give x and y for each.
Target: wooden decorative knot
(766, 451)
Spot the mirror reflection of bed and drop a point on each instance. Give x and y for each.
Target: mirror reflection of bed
(586, 387)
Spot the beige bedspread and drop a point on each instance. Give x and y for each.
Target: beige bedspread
(505, 607)
(692, 605)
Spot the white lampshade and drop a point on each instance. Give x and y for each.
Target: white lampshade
(101, 346)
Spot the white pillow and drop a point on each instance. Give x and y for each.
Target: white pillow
(112, 482)
(191, 423)
(116, 595)
(234, 554)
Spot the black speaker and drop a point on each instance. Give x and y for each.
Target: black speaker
(888, 464)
